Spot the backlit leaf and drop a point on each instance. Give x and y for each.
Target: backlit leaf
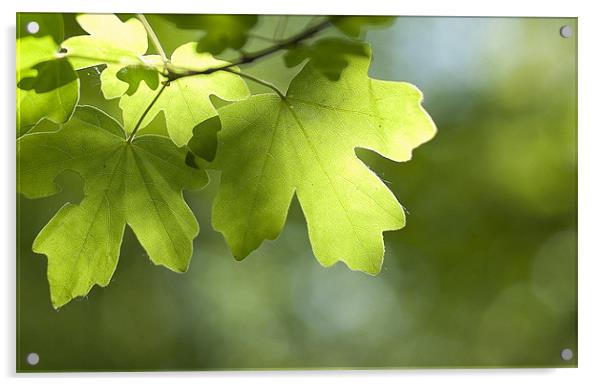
(133, 75)
(47, 85)
(110, 41)
(139, 184)
(270, 149)
(185, 102)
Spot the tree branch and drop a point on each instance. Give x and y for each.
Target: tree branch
(249, 58)
(173, 73)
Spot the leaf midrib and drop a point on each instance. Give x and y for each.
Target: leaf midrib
(93, 221)
(262, 174)
(324, 171)
(141, 169)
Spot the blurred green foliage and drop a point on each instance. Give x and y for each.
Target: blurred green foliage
(354, 26)
(220, 31)
(484, 274)
(47, 86)
(328, 55)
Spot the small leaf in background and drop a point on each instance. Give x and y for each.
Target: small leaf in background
(191, 160)
(133, 75)
(139, 184)
(110, 41)
(221, 31)
(49, 75)
(353, 26)
(47, 86)
(329, 55)
(116, 79)
(185, 102)
(270, 149)
(204, 140)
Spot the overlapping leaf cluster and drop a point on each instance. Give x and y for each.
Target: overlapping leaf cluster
(269, 147)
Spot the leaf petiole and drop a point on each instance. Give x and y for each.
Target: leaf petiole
(153, 37)
(256, 80)
(150, 105)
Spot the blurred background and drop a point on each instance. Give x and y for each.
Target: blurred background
(483, 275)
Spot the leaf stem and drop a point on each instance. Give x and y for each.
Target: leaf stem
(139, 123)
(256, 80)
(174, 74)
(263, 38)
(153, 37)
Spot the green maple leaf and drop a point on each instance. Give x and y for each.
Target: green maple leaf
(185, 102)
(270, 149)
(47, 85)
(135, 77)
(111, 42)
(138, 183)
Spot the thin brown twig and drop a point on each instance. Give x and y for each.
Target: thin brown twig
(173, 75)
(249, 58)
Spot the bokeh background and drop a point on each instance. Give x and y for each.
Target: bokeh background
(483, 275)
